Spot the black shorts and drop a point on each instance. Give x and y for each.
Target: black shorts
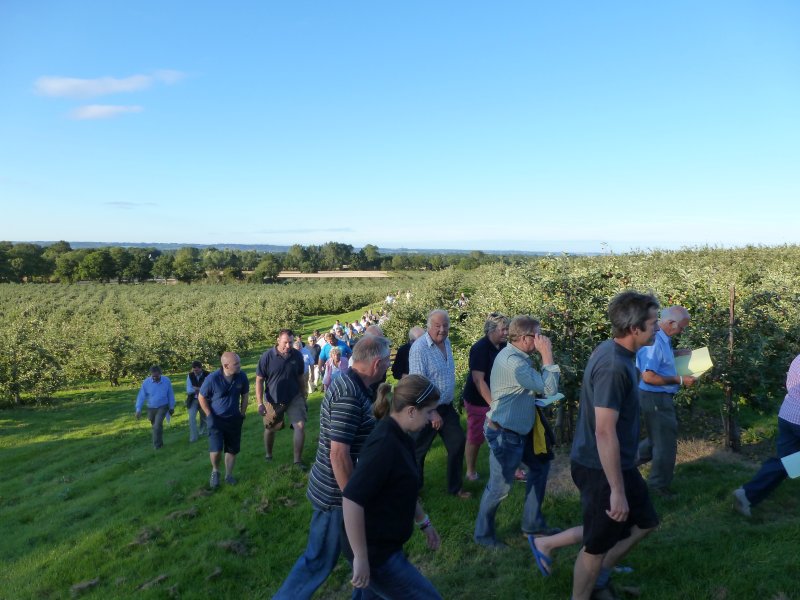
(601, 532)
(224, 433)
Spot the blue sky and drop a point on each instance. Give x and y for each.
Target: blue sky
(509, 125)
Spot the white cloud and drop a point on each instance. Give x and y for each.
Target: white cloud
(102, 111)
(74, 87)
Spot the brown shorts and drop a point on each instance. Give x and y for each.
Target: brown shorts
(296, 410)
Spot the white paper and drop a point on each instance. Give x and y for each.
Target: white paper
(792, 464)
(549, 400)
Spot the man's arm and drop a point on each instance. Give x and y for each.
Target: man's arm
(243, 408)
(259, 390)
(341, 463)
(140, 398)
(353, 515)
(653, 378)
(170, 396)
(480, 385)
(204, 406)
(608, 449)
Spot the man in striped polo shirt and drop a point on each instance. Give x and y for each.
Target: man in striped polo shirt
(515, 384)
(345, 422)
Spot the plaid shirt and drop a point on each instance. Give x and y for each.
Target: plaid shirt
(790, 409)
(426, 359)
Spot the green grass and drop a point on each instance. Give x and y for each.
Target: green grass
(84, 496)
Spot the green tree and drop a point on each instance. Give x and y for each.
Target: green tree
(187, 267)
(334, 255)
(267, 270)
(372, 256)
(295, 256)
(97, 265)
(163, 267)
(140, 267)
(122, 258)
(67, 265)
(27, 262)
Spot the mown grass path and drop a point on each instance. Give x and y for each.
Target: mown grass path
(84, 499)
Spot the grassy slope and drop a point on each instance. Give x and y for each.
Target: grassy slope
(84, 496)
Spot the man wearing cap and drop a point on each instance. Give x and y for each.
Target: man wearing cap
(157, 391)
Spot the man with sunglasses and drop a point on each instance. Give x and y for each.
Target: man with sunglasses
(657, 388)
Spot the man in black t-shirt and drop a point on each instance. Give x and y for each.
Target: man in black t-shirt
(400, 364)
(617, 511)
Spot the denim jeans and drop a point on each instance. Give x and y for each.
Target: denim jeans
(320, 557)
(194, 410)
(661, 444)
(156, 417)
(506, 451)
(772, 472)
(398, 579)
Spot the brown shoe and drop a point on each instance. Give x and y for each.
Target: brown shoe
(463, 494)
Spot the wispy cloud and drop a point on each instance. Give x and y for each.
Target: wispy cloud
(74, 87)
(129, 205)
(102, 111)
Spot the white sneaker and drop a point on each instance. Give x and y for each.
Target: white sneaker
(741, 503)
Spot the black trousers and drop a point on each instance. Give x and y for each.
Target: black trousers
(453, 438)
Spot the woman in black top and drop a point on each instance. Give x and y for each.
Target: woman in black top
(380, 503)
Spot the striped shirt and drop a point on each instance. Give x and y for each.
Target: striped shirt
(426, 359)
(345, 416)
(515, 384)
(790, 409)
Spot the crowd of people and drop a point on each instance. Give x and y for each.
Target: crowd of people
(366, 480)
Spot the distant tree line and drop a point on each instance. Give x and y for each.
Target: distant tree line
(59, 262)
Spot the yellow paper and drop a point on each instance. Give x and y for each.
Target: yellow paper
(694, 364)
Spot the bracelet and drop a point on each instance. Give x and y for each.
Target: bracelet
(681, 376)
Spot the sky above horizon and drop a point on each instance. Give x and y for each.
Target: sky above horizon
(569, 126)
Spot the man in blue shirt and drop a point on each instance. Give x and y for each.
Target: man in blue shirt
(223, 397)
(657, 388)
(157, 391)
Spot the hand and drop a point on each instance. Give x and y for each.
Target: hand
(432, 537)
(138, 414)
(543, 346)
(171, 411)
(360, 573)
(241, 412)
(436, 420)
(619, 506)
(262, 409)
(688, 380)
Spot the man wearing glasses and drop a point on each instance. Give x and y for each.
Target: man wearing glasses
(657, 388)
(513, 426)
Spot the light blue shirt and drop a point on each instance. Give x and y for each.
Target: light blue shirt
(156, 394)
(426, 359)
(515, 384)
(660, 359)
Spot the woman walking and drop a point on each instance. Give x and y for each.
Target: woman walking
(380, 503)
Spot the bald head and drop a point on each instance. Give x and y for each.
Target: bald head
(674, 319)
(230, 363)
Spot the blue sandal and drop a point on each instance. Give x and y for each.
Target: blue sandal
(542, 562)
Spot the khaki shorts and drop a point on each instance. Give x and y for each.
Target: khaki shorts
(296, 410)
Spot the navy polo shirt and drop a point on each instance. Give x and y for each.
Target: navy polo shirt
(281, 374)
(224, 397)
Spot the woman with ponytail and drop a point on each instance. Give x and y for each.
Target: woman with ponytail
(380, 503)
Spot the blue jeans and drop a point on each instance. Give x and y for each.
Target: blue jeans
(398, 579)
(506, 451)
(772, 472)
(320, 557)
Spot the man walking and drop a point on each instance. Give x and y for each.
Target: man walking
(157, 391)
(432, 357)
(223, 397)
(345, 422)
(617, 511)
(510, 424)
(657, 388)
(281, 368)
(193, 384)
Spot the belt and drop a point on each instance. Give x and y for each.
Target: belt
(497, 427)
